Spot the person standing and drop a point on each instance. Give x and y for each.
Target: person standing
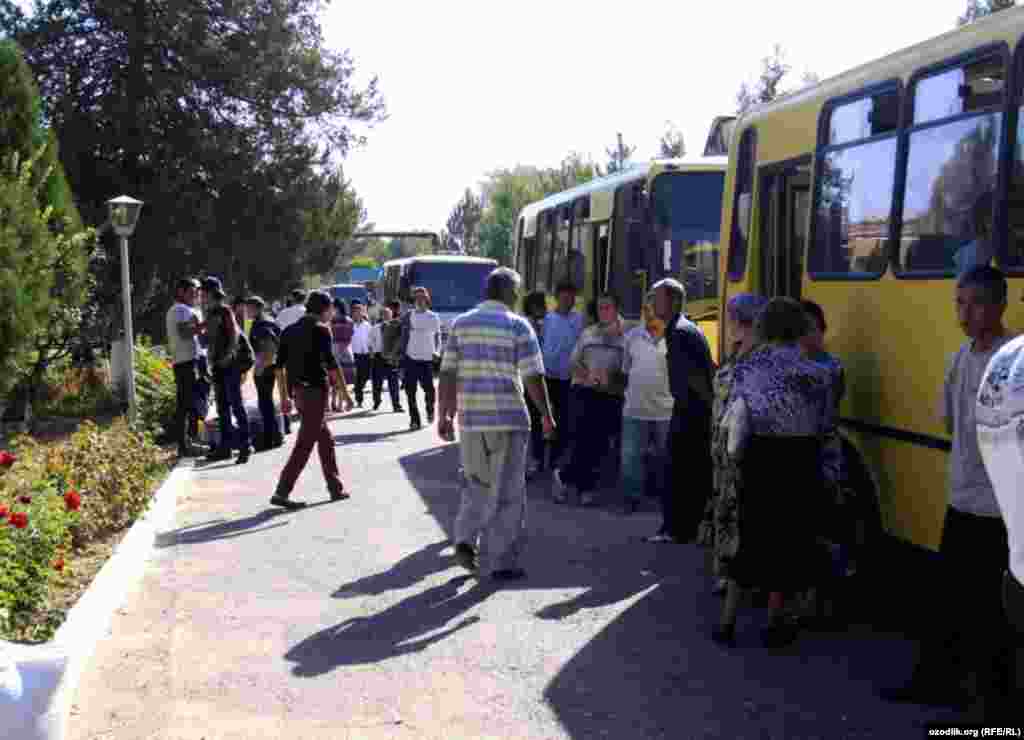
(535, 308)
(184, 324)
(562, 329)
(341, 335)
(598, 387)
(265, 336)
(294, 311)
(306, 365)
(491, 353)
(970, 624)
(223, 333)
(361, 329)
(690, 370)
(382, 369)
(422, 334)
(391, 352)
(647, 414)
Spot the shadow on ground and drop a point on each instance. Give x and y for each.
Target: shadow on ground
(223, 529)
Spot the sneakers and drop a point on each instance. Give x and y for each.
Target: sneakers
(286, 503)
(559, 490)
(465, 555)
(243, 456)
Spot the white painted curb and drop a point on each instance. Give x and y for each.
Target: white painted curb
(88, 621)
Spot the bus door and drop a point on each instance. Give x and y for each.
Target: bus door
(631, 248)
(785, 195)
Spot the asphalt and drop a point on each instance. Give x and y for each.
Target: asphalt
(351, 620)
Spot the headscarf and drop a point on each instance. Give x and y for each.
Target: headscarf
(745, 307)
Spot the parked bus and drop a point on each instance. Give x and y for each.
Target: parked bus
(456, 283)
(624, 232)
(861, 193)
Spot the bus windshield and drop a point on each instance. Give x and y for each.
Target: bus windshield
(453, 286)
(348, 292)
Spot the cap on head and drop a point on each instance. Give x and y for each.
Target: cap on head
(212, 284)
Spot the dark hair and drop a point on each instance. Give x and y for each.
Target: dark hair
(990, 282)
(211, 284)
(535, 302)
(255, 300)
(184, 284)
(317, 302)
(340, 307)
(298, 296)
(420, 289)
(501, 284)
(782, 320)
(815, 312)
(592, 310)
(239, 301)
(608, 296)
(566, 286)
(395, 306)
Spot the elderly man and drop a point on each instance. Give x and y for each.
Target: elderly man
(491, 353)
(690, 372)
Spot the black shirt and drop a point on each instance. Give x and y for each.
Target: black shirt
(305, 353)
(690, 368)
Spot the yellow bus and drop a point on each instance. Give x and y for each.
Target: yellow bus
(623, 232)
(866, 193)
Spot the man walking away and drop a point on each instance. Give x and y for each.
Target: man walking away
(562, 329)
(690, 371)
(391, 352)
(361, 329)
(305, 365)
(491, 352)
(223, 333)
(183, 327)
(422, 332)
(381, 368)
(265, 336)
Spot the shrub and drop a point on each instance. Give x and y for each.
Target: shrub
(154, 389)
(75, 391)
(55, 499)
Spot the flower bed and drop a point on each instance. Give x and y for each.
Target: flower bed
(60, 503)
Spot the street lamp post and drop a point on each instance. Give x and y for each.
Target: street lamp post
(124, 215)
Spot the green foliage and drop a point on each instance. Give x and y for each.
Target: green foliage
(110, 471)
(768, 85)
(365, 261)
(80, 392)
(19, 103)
(155, 391)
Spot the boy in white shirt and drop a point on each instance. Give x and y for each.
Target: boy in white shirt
(421, 335)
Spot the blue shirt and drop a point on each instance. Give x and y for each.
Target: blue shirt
(490, 350)
(560, 336)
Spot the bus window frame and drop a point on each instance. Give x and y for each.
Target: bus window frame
(907, 128)
(1015, 99)
(730, 276)
(825, 147)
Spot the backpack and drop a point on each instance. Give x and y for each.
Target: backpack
(244, 356)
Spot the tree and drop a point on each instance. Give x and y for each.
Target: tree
(462, 225)
(769, 83)
(980, 8)
(221, 116)
(671, 144)
(618, 156)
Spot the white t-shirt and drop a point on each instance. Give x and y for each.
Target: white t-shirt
(361, 337)
(647, 390)
(290, 315)
(181, 349)
(424, 327)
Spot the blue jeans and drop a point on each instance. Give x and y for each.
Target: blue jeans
(227, 388)
(637, 436)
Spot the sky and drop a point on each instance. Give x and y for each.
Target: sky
(473, 87)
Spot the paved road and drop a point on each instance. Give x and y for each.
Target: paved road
(350, 620)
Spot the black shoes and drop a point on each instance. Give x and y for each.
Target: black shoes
(287, 503)
(223, 453)
(398, 410)
(779, 634)
(243, 456)
(724, 635)
(376, 405)
(430, 416)
(509, 574)
(339, 496)
(415, 426)
(465, 555)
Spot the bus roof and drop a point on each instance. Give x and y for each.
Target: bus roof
(441, 258)
(1004, 24)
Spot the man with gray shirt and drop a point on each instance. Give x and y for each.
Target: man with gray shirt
(970, 624)
(184, 324)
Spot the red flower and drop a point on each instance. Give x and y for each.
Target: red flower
(58, 564)
(3, 512)
(19, 519)
(7, 459)
(25, 500)
(72, 500)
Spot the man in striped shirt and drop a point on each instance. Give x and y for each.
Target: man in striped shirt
(490, 355)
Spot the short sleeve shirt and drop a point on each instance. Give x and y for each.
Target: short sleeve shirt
(490, 350)
(181, 349)
(646, 365)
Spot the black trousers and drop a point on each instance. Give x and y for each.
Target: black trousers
(970, 630)
(362, 376)
(383, 370)
(419, 373)
(270, 434)
(558, 394)
(690, 475)
(184, 385)
(599, 421)
(537, 442)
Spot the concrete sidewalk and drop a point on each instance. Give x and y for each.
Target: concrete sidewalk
(351, 620)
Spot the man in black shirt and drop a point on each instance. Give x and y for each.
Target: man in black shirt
(305, 365)
(264, 336)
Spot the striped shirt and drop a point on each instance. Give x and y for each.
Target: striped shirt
(490, 350)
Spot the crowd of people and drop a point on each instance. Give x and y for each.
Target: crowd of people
(536, 390)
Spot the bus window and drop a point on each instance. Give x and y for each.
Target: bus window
(742, 208)
(784, 194)
(632, 241)
(601, 260)
(864, 118)
(564, 221)
(545, 234)
(952, 172)
(1013, 261)
(686, 208)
